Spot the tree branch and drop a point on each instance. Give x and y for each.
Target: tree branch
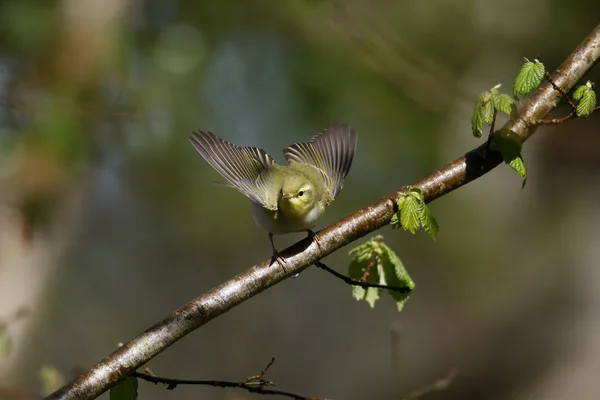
(125, 360)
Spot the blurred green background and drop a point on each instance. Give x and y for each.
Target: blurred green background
(109, 219)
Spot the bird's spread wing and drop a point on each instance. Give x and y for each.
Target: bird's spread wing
(331, 151)
(245, 168)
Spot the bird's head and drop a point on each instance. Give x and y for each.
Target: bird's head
(298, 196)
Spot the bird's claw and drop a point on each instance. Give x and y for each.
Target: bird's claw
(315, 238)
(280, 260)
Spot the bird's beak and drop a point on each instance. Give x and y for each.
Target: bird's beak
(286, 196)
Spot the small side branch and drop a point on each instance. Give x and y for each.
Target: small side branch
(437, 386)
(558, 89)
(556, 121)
(572, 115)
(364, 285)
(253, 384)
(370, 266)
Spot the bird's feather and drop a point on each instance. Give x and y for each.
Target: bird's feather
(245, 168)
(331, 151)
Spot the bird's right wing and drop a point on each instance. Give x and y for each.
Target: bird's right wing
(331, 151)
(245, 168)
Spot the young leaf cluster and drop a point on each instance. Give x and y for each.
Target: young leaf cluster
(375, 262)
(586, 99)
(413, 213)
(492, 101)
(489, 103)
(530, 77)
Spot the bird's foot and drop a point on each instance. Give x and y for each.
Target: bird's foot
(315, 238)
(276, 256)
(279, 259)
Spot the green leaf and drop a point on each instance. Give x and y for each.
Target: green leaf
(579, 92)
(363, 262)
(503, 103)
(509, 144)
(51, 379)
(408, 207)
(488, 111)
(428, 221)
(483, 113)
(395, 275)
(529, 77)
(395, 221)
(126, 389)
(519, 166)
(413, 213)
(586, 98)
(375, 262)
(5, 341)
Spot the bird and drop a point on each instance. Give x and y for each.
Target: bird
(285, 198)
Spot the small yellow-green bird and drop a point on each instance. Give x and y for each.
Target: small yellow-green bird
(289, 198)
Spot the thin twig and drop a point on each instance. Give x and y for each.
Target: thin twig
(562, 120)
(437, 386)
(258, 377)
(364, 285)
(559, 90)
(370, 266)
(254, 384)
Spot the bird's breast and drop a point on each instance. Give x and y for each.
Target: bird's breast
(279, 223)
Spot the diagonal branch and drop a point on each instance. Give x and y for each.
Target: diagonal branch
(125, 360)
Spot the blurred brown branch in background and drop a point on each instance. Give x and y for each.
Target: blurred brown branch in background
(418, 76)
(125, 360)
(437, 386)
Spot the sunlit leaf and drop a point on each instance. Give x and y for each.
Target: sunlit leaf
(408, 207)
(503, 103)
(529, 77)
(395, 275)
(519, 166)
(428, 221)
(483, 113)
(586, 98)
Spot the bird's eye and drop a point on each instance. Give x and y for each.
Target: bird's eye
(300, 193)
